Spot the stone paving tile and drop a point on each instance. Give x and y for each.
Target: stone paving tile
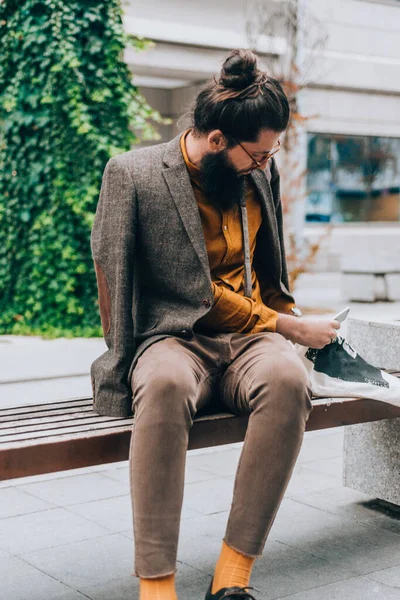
(359, 588)
(321, 445)
(354, 545)
(328, 466)
(119, 474)
(20, 581)
(190, 584)
(200, 541)
(45, 529)
(387, 522)
(221, 464)
(208, 497)
(81, 565)
(192, 475)
(296, 523)
(113, 513)
(76, 489)
(342, 501)
(390, 577)
(16, 502)
(282, 571)
(123, 588)
(305, 481)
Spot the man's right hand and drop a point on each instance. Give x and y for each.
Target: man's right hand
(307, 331)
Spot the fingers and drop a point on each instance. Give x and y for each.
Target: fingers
(335, 324)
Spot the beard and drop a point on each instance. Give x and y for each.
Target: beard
(221, 183)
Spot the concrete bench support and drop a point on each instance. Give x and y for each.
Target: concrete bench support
(372, 450)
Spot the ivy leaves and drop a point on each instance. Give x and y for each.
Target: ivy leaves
(67, 103)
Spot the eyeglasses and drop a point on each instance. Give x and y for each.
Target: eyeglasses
(267, 156)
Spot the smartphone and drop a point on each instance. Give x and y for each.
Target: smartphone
(342, 316)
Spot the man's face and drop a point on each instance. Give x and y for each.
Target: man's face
(245, 155)
(222, 170)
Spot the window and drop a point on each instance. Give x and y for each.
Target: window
(353, 178)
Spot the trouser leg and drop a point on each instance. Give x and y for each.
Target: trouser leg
(267, 380)
(169, 385)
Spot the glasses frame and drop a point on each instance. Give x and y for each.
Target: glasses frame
(265, 158)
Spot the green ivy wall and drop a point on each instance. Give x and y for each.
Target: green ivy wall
(67, 104)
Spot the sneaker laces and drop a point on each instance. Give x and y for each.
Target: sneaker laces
(240, 593)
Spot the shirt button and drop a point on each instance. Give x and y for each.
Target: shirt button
(206, 302)
(225, 227)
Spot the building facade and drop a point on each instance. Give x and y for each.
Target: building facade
(353, 140)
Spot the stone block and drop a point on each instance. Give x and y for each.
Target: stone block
(393, 286)
(372, 250)
(378, 342)
(360, 287)
(372, 458)
(372, 450)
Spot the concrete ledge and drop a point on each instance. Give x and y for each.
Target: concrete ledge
(378, 342)
(372, 451)
(368, 286)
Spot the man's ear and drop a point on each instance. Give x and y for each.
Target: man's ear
(216, 141)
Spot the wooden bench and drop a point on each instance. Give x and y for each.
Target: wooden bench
(68, 434)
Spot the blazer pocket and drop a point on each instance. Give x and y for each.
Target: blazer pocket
(104, 299)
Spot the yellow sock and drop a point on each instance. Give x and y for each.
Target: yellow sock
(161, 588)
(232, 569)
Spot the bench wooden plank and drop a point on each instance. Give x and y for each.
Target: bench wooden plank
(28, 409)
(108, 441)
(52, 422)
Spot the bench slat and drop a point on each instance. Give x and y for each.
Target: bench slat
(28, 409)
(41, 416)
(68, 434)
(111, 444)
(97, 424)
(49, 423)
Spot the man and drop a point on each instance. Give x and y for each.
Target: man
(193, 292)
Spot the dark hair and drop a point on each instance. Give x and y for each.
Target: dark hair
(242, 102)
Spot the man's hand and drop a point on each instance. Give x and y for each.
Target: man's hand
(306, 331)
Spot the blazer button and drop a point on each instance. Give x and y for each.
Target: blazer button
(206, 302)
(186, 334)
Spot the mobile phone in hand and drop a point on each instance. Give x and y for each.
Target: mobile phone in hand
(342, 316)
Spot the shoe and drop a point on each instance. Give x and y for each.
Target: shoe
(232, 593)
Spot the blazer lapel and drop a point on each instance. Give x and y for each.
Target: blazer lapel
(270, 226)
(180, 187)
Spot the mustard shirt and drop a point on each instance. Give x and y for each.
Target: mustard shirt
(232, 311)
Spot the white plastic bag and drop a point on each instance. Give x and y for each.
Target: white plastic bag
(337, 371)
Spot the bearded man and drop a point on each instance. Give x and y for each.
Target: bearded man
(194, 300)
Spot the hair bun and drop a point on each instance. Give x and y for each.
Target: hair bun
(239, 70)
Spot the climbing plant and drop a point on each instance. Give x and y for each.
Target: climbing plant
(67, 103)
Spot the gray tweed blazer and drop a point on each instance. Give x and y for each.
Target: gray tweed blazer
(151, 261)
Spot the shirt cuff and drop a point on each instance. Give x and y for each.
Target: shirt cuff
(267, 320)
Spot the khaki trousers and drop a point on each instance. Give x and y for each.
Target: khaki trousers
(257, 374)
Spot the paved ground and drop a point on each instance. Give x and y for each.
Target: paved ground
(68, 535)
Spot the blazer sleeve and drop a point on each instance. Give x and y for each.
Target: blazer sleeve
(113, 249)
